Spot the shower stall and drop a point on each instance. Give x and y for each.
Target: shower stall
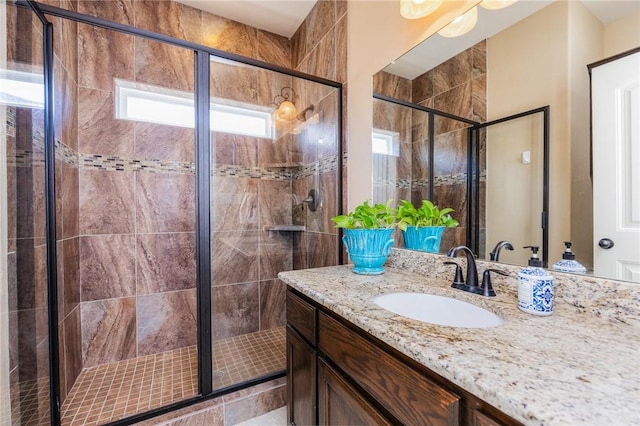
(152, 190)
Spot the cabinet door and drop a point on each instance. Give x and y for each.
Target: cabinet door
(301, 380)
(340, 403)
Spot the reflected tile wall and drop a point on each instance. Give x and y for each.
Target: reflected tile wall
(393, 86)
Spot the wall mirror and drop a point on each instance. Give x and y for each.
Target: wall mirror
(516, 59)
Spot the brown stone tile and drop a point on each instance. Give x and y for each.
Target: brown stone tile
(159, 142)
(73, 348)
(329, 132)
(479, 98)
(174, 71)
(419, 126)
(71, 283)
(275, 253)
(30, 202)
(298, 45)
(454, 196)
(99, 131)
(479, 52)
(108, 330)
(106, 202)
(255, 405)
(321, 60)
(420, 160)
(235, 257)
(235, 309)
(107, 266)
(421, 88)
(236, 150)
(342, 47)
(234, 203)
(341, 8)
(104, 55)
(166, 321)
(457, 101)
(66, 111)
(272, 302)
(323, 249)
(171, 18)
(320, 220)
(62, 362)
(300, 252)
(273, 49)
(70, 201)
(69, 53)
(165, 262)
(274, 202)
(234, 81)
(392, 85)
(255, 390)
(120, 11)
(450, 153)
(453, 72)
(31, 275)
(209, 417)
(230, 36)
(165, 203)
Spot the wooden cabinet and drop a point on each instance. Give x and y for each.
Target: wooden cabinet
(340, 375)
(339, 403)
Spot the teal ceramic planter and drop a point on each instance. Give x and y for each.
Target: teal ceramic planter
(368, 249)
(423, 238)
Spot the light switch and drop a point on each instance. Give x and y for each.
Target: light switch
(526, 157)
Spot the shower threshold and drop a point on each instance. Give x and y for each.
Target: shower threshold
(121, 389)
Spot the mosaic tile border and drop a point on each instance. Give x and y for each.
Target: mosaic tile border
(457, 179)
(11, 121)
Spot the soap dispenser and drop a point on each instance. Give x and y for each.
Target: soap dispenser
(568, 263)
(535, 287)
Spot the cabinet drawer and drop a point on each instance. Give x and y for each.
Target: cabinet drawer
(301, 316)
(405, 393)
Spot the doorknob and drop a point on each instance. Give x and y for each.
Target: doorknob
(606, 243)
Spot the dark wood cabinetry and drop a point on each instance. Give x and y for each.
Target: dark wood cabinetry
(341, 375)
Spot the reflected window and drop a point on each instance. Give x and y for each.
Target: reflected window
(153, 104)
(385, 142)
(21, 89)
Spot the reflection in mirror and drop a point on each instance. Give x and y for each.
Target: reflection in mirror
(516, 59)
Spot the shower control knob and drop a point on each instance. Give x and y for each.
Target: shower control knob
(606, 243)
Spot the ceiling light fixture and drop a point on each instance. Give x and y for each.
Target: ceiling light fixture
(496, 4)
(461, 25)
(414, 9)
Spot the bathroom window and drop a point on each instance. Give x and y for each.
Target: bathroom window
(385, 142)
(143, 102)
(21, 89)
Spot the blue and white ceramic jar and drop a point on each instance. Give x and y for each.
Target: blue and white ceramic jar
(535, 291)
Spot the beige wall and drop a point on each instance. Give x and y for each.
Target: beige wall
(586, 39)
(377, 36)
(621, 35)
(526, 72)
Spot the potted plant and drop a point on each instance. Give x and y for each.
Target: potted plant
(367, 236)
(422, 227)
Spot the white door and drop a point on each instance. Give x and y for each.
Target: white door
(616, 168)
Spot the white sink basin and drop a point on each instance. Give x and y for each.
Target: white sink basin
(438, 310)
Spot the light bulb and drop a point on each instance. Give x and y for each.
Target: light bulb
(286, 111)
(496, 4)
(414, 9)
(461, 25)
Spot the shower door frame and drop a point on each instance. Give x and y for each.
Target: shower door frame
(202, 55)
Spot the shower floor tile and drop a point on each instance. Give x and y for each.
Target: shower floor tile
(112, 391)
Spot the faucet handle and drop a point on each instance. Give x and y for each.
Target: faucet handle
(486, 287)
(458, 281)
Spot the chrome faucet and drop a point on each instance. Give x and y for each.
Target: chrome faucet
(495, 254)
(471, 280)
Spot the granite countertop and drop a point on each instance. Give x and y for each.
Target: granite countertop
(580, 365)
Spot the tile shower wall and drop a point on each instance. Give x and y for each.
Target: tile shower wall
(26, 290)
(319, 47)
(125, 220)
(457, 86)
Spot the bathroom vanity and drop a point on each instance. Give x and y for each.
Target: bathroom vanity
(350, 361)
